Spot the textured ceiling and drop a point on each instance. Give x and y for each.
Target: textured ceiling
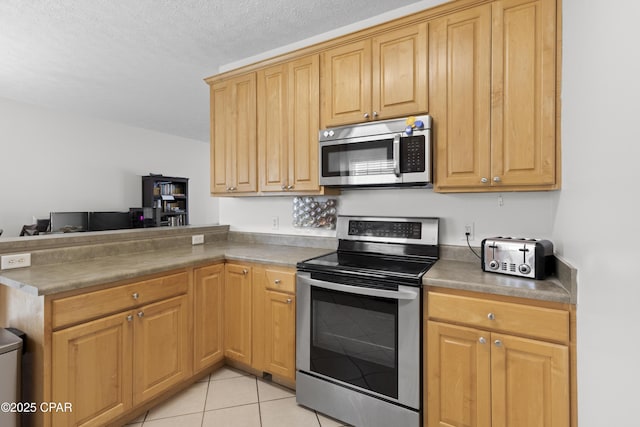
(142, 62)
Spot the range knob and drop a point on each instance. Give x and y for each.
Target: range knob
(494, 265)
(524, 269)
(325, 133)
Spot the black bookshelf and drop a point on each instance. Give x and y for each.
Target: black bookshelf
(169, 196)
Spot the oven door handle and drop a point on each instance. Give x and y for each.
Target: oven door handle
(401, 294)
(396, 154)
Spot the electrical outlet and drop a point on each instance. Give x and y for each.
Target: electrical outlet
(197, 239)
(275, 223)
(15, 261)
(469, 231)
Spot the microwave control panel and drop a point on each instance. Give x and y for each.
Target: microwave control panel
(412, 154)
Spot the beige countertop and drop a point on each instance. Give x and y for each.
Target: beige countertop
(469, 276)
(54, 278)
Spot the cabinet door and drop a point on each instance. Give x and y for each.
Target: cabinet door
(280, 334)
(273, 128)
(530, 382)
(208, 314)
(161, 347)
(237, 313)
(523, 130)
(221, 119)
(346, 85)
(460, 103)
(458, 376)
(399, 72)
(304, 118)
(91, 368)
(242, 157)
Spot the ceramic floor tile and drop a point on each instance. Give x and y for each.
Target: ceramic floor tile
(326, 421)
(269, 391)
(191, 420)
(286, 413)
(238, 416)
(226, 372)
(232, 392)
(189, 401)
(134, 425)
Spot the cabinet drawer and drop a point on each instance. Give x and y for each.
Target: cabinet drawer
(519, 319)
(77, 308)
(281, 280)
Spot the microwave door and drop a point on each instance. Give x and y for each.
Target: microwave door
(360, 162)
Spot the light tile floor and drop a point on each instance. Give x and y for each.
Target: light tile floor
(229, 397)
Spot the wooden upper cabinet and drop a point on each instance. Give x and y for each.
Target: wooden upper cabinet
(523, 132)
(492, 81)
(378, 78)
(288, 122)
(400, 72)
(233, 135)
(460, 91)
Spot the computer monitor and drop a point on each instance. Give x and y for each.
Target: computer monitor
(100, 221)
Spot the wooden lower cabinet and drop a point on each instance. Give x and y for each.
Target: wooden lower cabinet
(160, 348)
(280, 334)
(482, 378)
(238, 313)
(91, 369)
(208, 316)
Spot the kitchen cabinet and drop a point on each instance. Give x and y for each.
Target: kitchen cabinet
(275, 321)
(288, 122)
(380, 77)
(492, 77)
(495, 363)
(208, 314)
(105, 363)
(233, 135)
(238, 313)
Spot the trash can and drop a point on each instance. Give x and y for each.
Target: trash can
(10, 355)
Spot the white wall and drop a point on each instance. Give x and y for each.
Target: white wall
(596, 226)
(50, 161)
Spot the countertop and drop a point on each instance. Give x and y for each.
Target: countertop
(55, 278)
(469, 276)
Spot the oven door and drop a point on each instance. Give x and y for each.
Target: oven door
(366, 339)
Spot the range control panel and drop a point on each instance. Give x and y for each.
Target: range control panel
(401, 230)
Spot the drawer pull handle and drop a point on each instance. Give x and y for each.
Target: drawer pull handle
(129, 318)
(277, 281)
(498, 343)
(482, 340)
(141, 314)
(491, 316)
(288, 300)
(135, 295)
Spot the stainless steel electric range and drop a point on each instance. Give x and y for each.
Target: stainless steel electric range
(358, 331)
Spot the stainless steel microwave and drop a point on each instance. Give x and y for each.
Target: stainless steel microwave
(394, 152)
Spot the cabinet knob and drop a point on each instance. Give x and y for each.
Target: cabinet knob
(284, 187)
(482, 340)
(375, 114)
(484, 180)
(498, 343)
(491, 316)
(135, 295)
(496, 179)
(289, 187)
(366, 115)
(277, 281)
(129, 318)
(288, 300)
(245, 271)
(141, 314)
(232, 188)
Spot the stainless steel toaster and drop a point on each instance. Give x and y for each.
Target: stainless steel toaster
(531, 258)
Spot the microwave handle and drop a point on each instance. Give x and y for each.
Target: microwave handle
(396, 155)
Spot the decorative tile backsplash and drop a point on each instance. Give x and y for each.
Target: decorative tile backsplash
(310, 212)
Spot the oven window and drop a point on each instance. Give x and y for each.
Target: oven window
(354, 339)
(360, 158)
